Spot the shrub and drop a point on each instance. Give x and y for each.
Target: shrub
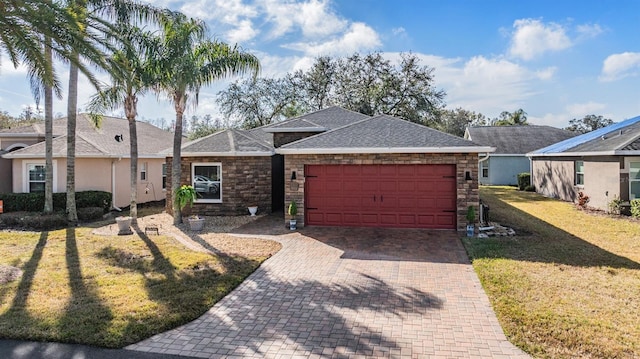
(583, 199)
(635, 208)
(88, 214)
(30, 220)
(34, 202)
(530, 188)
(615, 205)
(524, 180)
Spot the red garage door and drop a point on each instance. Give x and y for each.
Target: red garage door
(412, 196)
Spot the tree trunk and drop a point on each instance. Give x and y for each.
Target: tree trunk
(72, 105)
(48, 135)
(130, 104)
(179, 101)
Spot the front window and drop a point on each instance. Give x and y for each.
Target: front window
(484, 168)
(37, 176)
(579, 165)
(634, 180)
(207, 181)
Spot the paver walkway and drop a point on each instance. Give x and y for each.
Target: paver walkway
(349, 293)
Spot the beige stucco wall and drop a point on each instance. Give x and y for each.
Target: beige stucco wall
(555, 178)
(10, 143)
(96, 174)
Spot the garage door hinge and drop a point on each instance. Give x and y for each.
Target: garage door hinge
(310, 176)
(448, 176)
(450, 211)
(307, 208)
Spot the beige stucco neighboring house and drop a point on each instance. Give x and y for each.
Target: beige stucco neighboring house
(102, 158)
(603, 164)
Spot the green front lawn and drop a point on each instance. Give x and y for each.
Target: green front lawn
(569, 284)
(112, 291)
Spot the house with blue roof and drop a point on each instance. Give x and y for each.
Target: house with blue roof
(603, 164)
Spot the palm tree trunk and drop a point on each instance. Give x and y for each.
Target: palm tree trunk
(176, 162)
(72, 105)
(48, 135)
(130, 105)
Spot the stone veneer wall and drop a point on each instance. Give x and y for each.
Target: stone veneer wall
(468, 193)
(245, 181)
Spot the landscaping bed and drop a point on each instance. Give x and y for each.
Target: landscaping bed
(569, 287)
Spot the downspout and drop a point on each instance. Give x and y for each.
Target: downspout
(479, 166)
(113, 185)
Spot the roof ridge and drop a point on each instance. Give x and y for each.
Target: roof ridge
(232, 142)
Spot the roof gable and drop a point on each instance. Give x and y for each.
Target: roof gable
(93, 141)
(610, 139)
(382, 134)
(517, 139)
(229, 142)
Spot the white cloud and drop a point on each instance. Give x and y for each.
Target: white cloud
(575, 110)
(359, 37)
(243, 32)
(618, 66)
(399, 31)
(314, 18)
(589, 30)
(532, 38)
(546, 74)
(582, 109)
(485, 85)
(230, 14)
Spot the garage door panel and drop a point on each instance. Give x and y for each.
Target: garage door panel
(407, 219)
(381, 195)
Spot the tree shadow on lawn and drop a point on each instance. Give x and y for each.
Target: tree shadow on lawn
(184, 294)
(544, 243)
(85, 318)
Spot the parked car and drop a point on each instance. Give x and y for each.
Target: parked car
(204, 184)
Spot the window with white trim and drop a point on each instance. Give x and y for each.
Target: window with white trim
(206, 178)
(634, 180)
(579, 169)
(36, 177)
(143, 171)
(484, 168)
(164, 176)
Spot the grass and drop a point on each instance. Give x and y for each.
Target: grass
(109, 291)
(569, 284)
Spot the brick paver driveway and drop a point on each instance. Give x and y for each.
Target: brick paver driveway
(349, 293)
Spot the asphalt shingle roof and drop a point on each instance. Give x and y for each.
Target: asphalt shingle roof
(381, 132)
(517, 139)
(230, 141)
(329, 118)
(622, 136)
(92, 141)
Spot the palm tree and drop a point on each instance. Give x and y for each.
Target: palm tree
(186, 61)
(516, 118)
(131, 77)
(95, 15)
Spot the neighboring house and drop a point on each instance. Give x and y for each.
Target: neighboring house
(342, 168)
(102, 158)
(512, 143)
(603, 164)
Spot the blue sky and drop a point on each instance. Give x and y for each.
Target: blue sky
(557, 60)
